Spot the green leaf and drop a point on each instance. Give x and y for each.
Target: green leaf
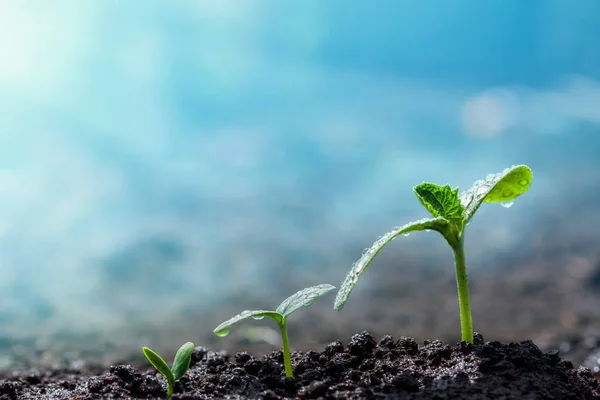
(182, 360)
(225, 327)
(496, 188)
(439, 224)
(303, 298)
(440, 201)
(158, 363)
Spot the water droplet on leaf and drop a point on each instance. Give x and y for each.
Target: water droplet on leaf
(481, 190)
(223, 332)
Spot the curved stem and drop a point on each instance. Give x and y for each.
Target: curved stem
(466, 322)
(287, 358)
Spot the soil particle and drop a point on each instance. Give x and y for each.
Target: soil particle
(364, 369)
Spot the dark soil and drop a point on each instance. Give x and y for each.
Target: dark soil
(363, 369)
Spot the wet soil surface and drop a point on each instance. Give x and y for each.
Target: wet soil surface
(363, 368)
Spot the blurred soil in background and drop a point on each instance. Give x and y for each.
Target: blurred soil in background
(550, 294)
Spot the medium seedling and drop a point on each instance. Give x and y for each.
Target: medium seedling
(180, 364)
(451, 214)
(303, 298)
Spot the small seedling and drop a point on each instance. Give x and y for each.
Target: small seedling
(451, 214)
(303, 298)
(180, 364)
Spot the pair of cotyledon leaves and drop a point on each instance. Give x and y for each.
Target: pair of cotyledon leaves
(303, 298)
(181, 364)
(447, 208)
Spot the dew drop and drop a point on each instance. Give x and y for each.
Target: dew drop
(481, 190)
(507, 193)
(353, 279)
(406, 234)
(466, 198)
(523, 182)
(223, 332)
(508, 204)
(258, 317)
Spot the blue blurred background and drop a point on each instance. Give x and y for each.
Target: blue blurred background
(158, 158)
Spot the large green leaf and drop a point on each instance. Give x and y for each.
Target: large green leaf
(303, 298)
(440, 201)
(503, 187)
(225, 327)
(183, 357)
(158, 363)
(438, 224)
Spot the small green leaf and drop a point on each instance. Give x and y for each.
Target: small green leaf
(496, 188)
(440, 201)
(158, 363)
(439, 224)
(225, 327)
(303, 298)
(182, 360)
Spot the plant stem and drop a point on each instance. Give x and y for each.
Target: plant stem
(466, 322)
(170, 387)
(287, 358)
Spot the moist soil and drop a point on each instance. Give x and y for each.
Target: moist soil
(364, 368)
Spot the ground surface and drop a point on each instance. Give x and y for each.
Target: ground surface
(364, 369)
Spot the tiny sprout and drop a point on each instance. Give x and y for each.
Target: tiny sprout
(451, 214)
(303, 298)
(180, 364)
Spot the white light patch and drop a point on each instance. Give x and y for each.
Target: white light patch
(490, 113)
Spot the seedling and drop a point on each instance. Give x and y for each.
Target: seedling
(181, 364)
(451, 214)
(303, 298)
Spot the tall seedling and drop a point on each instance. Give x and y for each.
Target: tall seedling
(451, 213)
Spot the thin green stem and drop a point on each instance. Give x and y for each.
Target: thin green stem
(466, 322)
(170, 386)
(287, 358)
